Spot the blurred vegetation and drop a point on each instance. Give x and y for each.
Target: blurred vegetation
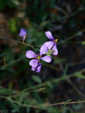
(21, 90)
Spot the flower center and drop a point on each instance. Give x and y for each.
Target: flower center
(38, 57)
(56, 40)
(50, 51)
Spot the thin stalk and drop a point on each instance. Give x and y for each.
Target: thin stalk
(44, 105)
(18, 42)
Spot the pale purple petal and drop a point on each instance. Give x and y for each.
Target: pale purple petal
(22, 32)
(38, 68)
(46, 59)
(33, 69)
(43, 49)
(30, 54)
(55, 50)
(49, 44)
(49, 35)
(24, 37)
(33, 63)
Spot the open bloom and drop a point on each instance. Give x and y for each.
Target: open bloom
(35, 63)
(52, 43)
(23, 33)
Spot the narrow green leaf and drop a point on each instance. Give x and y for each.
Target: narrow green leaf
(13, 105)
(60, 60)
(2, 4)
(36, 79)
(83, 42)
(79, 75)
(4, 91)
(21, 97)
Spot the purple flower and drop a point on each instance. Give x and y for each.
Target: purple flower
(23, 33)
(52, 43)
(35, 63)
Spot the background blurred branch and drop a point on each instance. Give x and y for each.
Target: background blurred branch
(60, 9)
(71, 37)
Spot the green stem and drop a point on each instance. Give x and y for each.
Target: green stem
(44, 105)
(18, 42)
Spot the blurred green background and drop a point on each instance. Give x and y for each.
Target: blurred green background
(22, 90)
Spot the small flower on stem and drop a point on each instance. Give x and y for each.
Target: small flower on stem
(23, 33)
(35, 63)
(52, 43)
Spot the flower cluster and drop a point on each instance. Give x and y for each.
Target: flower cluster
(48, 48)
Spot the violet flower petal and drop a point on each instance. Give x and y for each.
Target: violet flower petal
(43, 49)
(38, 68)
(49, 44)
(33, 63)
(49, 35)
(55, 49)
(46, 59)
(22, 32)
(30, 54)
(33, 69)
